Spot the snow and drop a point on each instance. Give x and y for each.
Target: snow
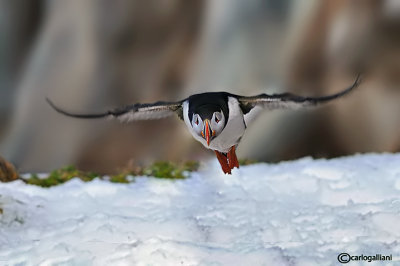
(303, 212)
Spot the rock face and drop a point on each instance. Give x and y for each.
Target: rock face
(7, 171)
(89, 56)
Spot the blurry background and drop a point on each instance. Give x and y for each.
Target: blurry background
(89, 56)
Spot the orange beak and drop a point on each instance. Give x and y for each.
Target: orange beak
(207, 132)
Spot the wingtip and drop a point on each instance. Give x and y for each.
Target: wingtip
(50, 102)
(359, 79)
(63, 112)
(356, 83)
(52, 105)
(56, 108)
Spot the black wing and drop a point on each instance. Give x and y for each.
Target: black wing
(288, 100)
(132, 112)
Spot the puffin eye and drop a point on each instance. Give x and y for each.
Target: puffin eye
(217, 117)
(197, 121)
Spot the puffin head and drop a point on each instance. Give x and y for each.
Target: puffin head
(208, 121)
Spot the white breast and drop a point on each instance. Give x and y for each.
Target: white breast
(230, 135)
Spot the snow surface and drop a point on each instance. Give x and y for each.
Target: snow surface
(303, 212)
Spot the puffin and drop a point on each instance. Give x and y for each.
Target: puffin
(218, 120)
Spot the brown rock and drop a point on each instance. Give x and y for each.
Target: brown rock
(7, 171)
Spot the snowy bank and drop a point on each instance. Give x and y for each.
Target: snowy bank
(304, 212)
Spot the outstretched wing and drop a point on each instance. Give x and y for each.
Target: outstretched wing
(132, 112)
(252, 105)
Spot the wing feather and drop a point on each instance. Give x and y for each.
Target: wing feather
(132, 112)
(288, 100)
(253, 105)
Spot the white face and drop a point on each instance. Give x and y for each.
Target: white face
(197, 124)
(216, 125)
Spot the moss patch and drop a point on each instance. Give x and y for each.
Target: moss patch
(158, 169)
(120, 178)
(60, 176)
(247, 161)
(170, 170)
(162, 169)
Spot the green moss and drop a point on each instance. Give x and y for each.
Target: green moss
(162, 169)
(191, 166)
(120, 178)
(61, 176)
(157, 169)
(247, 161)
(170, 170)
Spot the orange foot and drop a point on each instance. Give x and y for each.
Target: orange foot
(232, 159)
(228, 161)
(223, 161)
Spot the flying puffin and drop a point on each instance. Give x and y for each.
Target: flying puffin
(217, 120)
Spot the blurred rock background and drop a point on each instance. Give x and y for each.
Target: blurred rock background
(91, 55)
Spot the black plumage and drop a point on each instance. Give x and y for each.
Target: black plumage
(205, 104)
